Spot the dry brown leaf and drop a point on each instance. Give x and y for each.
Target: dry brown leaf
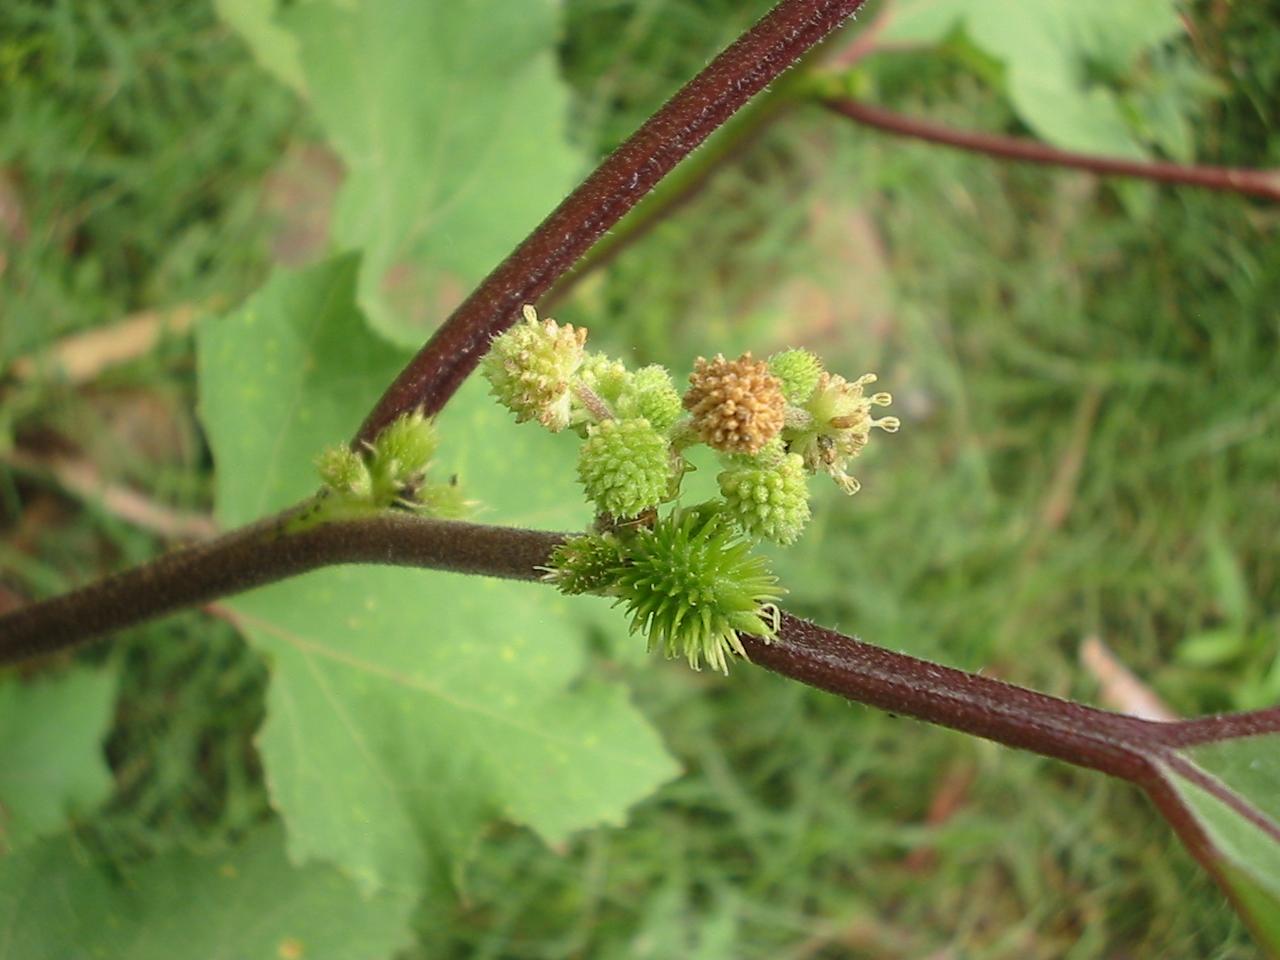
(1119, 687)
(82, 356)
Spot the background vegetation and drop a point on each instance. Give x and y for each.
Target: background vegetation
(1086, 374)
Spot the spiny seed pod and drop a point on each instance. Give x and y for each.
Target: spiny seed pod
(839, 427)
(625, 467)
(692, 585)
(799, 371)
(529, 368)
(651, 394)
(737, 405)
(769, 502)
(586, 564)
(344, 472)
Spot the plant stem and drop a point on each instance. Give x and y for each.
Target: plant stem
(680, 188)
(631, 171)
(263, 553)
(1257, 183)
(277, 547)
(978, 705)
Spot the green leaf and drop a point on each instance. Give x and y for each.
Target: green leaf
(1229, 586)
(1233, 793)
(273, 46)
(51, 759)
(408, 707)
(57, 903)
(450, 118)
(1051, 51)
(1211, 648)
(282, 378)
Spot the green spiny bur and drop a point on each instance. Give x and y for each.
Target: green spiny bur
(606, 377)
(692, 585)
(586, 564)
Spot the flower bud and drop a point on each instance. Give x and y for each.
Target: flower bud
(625, 467)
(529, 368)
(799, 371)
(737, 406)
(768, 502)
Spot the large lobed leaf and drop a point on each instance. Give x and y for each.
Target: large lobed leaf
(408, 707)
(57, 903)
(1051, 50)
(52, 764)
(450, 120)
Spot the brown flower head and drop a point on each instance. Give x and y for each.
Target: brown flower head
(737, 405)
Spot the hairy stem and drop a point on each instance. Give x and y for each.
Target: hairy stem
(263, 553)
(280, 547)
(975, 704)
(1256, 183)
(631, 171)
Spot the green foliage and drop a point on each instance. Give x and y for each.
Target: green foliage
(452, 153)
(406, 709)
(52, 772)
(1238, 809)
(131, 148)
(273, 45)
(1061, 60)
(57, 902)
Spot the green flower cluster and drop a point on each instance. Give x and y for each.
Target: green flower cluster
(388, 473)
(689, 579)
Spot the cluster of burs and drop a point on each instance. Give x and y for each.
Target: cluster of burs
(689, 579)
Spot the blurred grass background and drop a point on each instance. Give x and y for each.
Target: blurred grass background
(1086, 376)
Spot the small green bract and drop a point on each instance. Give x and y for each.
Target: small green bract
(625, 467)
(692, 585)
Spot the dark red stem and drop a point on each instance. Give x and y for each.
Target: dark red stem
(1256, 183)
(631, 171)
(1122, 746)
(975, 704)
